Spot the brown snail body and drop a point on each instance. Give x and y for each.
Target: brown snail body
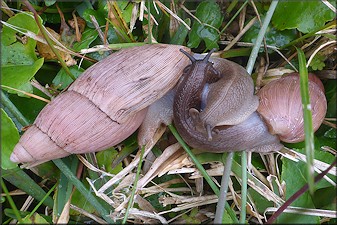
(247, 133)
(104, 106)
(243, 129)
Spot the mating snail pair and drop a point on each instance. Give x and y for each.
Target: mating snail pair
(213, 107)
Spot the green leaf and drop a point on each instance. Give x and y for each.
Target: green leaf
(88, 36)
(104, 159)
(17, 75)
(29, 107)
(9, 138)
(22, 20)
(62, 79)
(181, 34)
(35, 219)
(294, 174)
(49, 2)
(273, 36)
(306, 16)
(317, 62)
(207, 12)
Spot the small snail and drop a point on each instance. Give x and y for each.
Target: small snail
(281, 106)
(219, 114)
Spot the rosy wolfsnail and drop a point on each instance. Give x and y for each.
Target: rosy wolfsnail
(104, 106)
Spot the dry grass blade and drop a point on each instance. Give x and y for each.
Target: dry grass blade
(318, 49)
(87, 214)
(164, 8)
(242, 32)
(168, 155)
(26, 93)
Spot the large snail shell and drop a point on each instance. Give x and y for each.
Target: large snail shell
(105, 105)
(281, 106)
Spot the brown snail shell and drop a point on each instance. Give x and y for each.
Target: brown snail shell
(281, 106)
(105, 105)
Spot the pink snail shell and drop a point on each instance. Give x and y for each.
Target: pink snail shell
(281, 106)
(105, 105)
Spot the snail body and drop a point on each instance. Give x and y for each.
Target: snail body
(104, 106)
(226, 131)
(232, 118)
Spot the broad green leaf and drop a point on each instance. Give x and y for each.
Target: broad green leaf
(260, 201)
(181, 34)
(9, 138)
(104, 159)
(306, 16)
(99, 14)
(29, 107)
(294, 174)
(22, 20)
(126, 8)
(49, 2)
(88, 36)
(207, 12)
(18, 54)
(325, 157)
(62, 79)
(273, 36)
(35, 219)
(17, 75)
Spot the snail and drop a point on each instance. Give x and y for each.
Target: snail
(223, 114)
(213, 106)
(104, 106)
(285, 119)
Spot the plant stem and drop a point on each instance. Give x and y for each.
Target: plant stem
(134, 185)
(40, 203)
(307, 117)
(21, 180)
(11, 202)
(243, 186)
(194, 159)
(202, 171)
(224, 187)
(46, 37)
(256, 48)
(12, 108)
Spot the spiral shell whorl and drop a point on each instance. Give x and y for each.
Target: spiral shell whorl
(281, 106)
(105, 105)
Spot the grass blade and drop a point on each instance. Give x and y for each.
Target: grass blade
(202, 170)
(224, 187)
(256, 48)
(21, 180)
(307, 116)
(10, 200)
(134, 185)
(243, 186)
(86, 193)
